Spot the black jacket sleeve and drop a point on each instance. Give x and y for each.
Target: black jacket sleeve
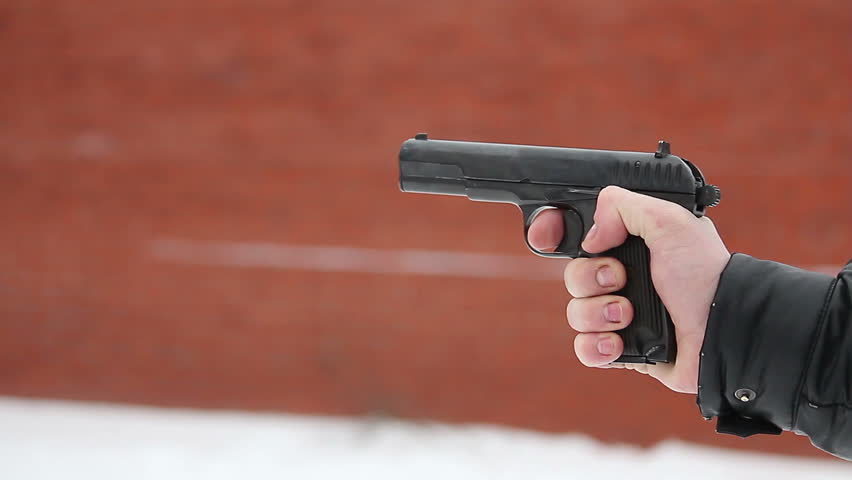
(777, 353)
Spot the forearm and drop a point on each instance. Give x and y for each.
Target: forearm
(777, 354)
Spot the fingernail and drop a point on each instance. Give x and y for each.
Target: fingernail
(606, 347)
(605, 276)
(612, 312)
(592, 232)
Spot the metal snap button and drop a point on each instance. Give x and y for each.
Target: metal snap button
(745, 395)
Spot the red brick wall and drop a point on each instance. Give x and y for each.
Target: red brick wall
(279, 122)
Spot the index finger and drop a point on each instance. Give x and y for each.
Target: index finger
(546, 230)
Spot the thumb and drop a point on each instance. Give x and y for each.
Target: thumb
(620, 212)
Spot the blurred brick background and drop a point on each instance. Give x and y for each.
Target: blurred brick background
(278, 122)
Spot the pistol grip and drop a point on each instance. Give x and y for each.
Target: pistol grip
(650, 337)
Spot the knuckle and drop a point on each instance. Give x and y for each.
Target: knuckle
(580, 316)
(581, 351)
(586, 350)
(582, 276)
(669, 216)
(574, 277)
(571, 315)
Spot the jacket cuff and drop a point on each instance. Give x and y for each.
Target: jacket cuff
(757, 344)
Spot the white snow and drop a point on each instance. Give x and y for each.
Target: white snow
(53, 440)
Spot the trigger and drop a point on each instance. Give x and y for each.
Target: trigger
(573, 235)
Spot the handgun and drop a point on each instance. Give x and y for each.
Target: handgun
(536, 178)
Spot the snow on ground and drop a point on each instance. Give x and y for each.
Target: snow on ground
(50, 440)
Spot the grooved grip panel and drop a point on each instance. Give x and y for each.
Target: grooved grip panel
(650, 336)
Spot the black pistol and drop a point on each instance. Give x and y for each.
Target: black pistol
(536, 178)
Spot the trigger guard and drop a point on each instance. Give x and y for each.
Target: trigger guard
(573, 233)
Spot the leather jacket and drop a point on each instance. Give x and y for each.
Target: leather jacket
(777, 354)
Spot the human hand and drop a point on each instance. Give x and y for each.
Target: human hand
(687, 259)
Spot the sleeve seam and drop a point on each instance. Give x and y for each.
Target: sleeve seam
(811, 352)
